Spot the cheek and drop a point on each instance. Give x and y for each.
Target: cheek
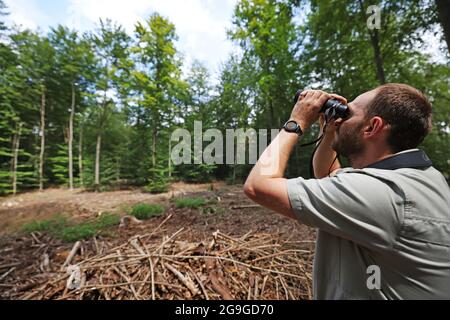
(344, 127)
(348, 130)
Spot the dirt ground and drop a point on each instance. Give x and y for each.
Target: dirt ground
(18, 210)
(21, 255)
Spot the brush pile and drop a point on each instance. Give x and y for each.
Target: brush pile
(256, 266)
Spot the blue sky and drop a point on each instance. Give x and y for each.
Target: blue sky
(201, 24)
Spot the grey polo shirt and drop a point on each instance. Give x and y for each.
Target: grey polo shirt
(396, 220)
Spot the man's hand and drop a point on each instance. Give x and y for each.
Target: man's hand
(333, 123)
(306, 111)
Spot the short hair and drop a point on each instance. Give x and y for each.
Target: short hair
(406, 110)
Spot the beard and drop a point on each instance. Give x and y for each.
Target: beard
(347, 141)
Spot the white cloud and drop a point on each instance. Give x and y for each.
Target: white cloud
(25, 13)
(200, 24)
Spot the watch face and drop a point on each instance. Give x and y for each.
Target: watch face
(291, 126)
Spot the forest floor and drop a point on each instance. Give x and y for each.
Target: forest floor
(15, 211)
(31, 261)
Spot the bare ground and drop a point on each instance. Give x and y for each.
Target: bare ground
(17, 210)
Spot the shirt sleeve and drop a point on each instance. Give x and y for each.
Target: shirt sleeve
(355, 206)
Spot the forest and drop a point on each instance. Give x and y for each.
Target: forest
(96, 110)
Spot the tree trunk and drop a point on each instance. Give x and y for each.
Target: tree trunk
(16, 146)
(70, 139)
(155, 133)
(13, 147)
(100, 125)
(80, 157)
(41, 155)
(118, 164)
(378, 58)
(443, 8)
(97, 162)
(375, 41)
(170, 158)
(271, 115)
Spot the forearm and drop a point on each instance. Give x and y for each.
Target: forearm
(266, 184)
(324, 157)
(274, 160)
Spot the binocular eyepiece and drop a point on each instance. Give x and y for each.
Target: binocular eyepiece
(332, 108)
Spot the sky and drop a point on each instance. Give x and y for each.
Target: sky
(201, 24)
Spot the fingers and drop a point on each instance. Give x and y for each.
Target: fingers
(338, 97)
(303, 94)
(322, 120)
(322, 96)
(332, 125)
(308, 94)
(316, 95)
(312, 94)
(338, 122)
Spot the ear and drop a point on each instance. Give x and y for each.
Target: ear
(375, 126)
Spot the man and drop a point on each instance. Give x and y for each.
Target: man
(387, 217)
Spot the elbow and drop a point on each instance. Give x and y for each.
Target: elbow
(249, 190)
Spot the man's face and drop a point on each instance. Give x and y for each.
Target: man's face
(348, 139)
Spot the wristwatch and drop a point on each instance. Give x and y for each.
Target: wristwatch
(293, 127)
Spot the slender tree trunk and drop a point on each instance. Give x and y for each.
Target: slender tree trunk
(234, 174)
(375, 41)
(13, 147)
(16, 147)
(80, 157)
(101, 124)
(155, 133)
(271, 115)
(170, 158)
(70, 139)
(378, 58)
(443, 8)
(41, 155)
(97, 162)
(118, 163)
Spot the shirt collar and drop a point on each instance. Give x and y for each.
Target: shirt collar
(413, 158)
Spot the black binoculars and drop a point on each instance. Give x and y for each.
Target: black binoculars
(333, 109)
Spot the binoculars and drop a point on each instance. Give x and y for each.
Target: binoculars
(333, 109)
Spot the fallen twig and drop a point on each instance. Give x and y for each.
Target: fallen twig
(72, 254)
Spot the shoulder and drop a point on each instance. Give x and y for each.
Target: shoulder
(369, 176)
(352, 188)
(354, 204)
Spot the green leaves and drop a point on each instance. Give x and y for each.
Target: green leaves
(342, 56)
(190, 203)
(266, 32)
